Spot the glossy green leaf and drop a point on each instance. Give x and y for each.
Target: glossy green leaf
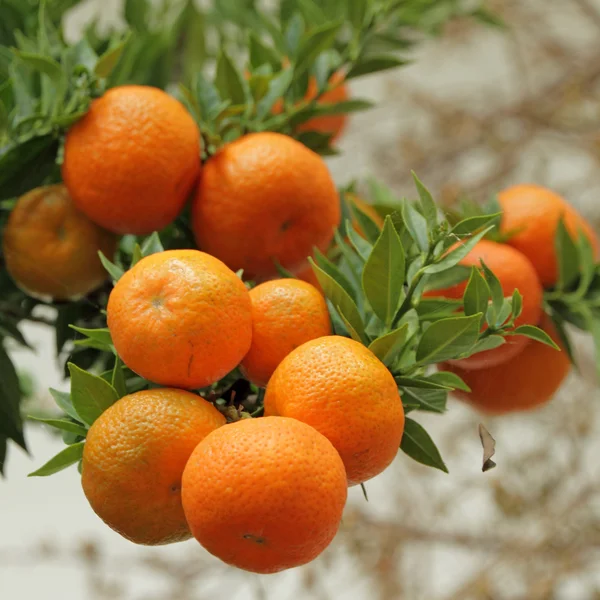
(472, 224)
(375, 64)
(417, 444)
(293, 33)
(65, 458)
(118, 378)
(428, 205)
(433, 309)
(387, 347)
(477, 294)
(453, 257)
(487, 343)
(416, 225)
(365, 223)
(495, 287)
(537, 334)
(421, 383)
(63, 401)
(567, 257)
(448, 338)
(383, 274)
(91, 395)
(428, 400)
(63, 425)
(449, 379)
(263, 54)
(101, 335)
(108, 61)
(278, 86)
(229, 81)
(447, 278)
(113, 270)
(43, 64)
(340, 299)
(334, 272)
(517, 304)
(362, 247)
(313, 43)
(11, 425)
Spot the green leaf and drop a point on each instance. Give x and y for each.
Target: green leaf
(450, 379)
(453, 257)
(517, 304)
(108, 61)
(420, 447)
(428, 400)
(587, 265)
(369, 228)
(416, 225)
(262, 54)
(67, 457)
(313, 43)
(101, 335)
(472, 224)
(383, 274)
(487, 343)
(433, 309)
(91, 395)
(43, 64)
(113, 270)
(495, 287)
(334, 272)
(421, 383)
(567, 257)
(229, 81)
(353, 333)
(11, 425)
(137, 255)
(362, 247)
(62, 424)
(357, 11)
(8, 328)
(535, 333)
(387, 347)
(293, 33)
(118, 378)
(477, 294)
(340, 299)
(152, 245)
(208, 98)
(448, 338)
(504, 313)
(63, 401)
(278, 86)
(428, 206)
(375, 64)
(447, 278)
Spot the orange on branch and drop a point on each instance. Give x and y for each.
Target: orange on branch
(133, 462)
(344, 391)
(264, 494)
(132, 160)
(180, 318)
(285, 314)
(51, 248)
(262, 199)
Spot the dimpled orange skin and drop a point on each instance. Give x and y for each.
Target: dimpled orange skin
(265, 198)
(342, 389)
(514, 271)
(526, 381)
(531, 215)
(133, 461)
(264, 494)
(180, 318)
(51, 249)
(132, 160)
(285, 314)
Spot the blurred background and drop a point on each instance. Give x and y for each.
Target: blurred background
(479, 109)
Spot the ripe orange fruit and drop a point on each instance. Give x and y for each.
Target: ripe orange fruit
(330, 124)
(514, 271)
(265, 198)
(51, 249)
(527, 380)
(285, 314)
(264, 494)
(342, 389)
(180, 318)
(532, 213)
(132, 161)
(133, 461)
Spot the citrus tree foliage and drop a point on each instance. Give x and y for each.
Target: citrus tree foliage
(374, 287)
(230, 63)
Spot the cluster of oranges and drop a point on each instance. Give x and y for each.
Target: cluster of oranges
(263, 494)
(520, 374)
(131, 164)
